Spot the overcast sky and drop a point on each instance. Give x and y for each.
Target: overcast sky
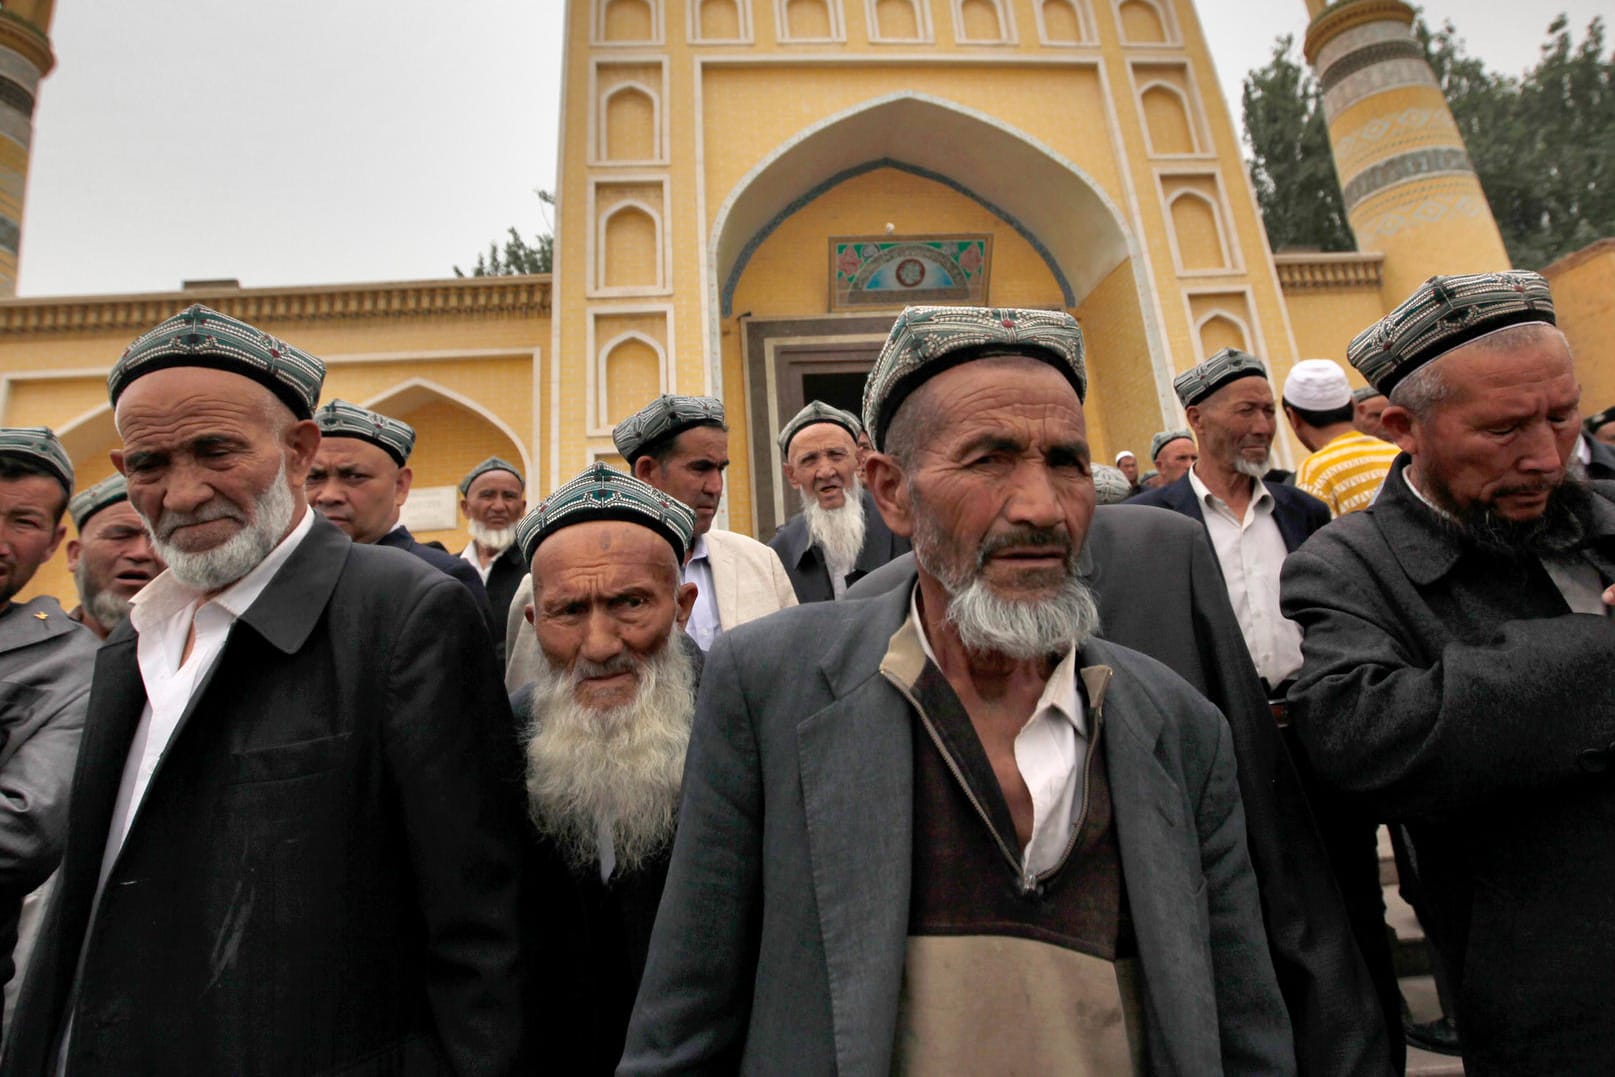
(323, 141)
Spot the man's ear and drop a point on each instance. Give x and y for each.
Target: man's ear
(645, 469)
(527, 612)
(405, 477)
(73, 548)
(302, 442)
(1401, 426)
(685, 597)
(888, 485)
(61, 533)
(790, 473)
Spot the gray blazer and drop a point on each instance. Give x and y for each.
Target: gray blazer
(781, 937)
(1160, 592)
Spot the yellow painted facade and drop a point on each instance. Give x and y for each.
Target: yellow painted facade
(713, 150)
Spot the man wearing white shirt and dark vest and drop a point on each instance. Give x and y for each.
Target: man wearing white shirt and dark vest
(360, 480)
(946, 829)
(1459, 654)
(1253, 525)
(294, 828)
(493, 497)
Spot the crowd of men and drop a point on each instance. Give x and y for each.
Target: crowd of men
(992, 759)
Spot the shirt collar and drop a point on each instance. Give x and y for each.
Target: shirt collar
(1418, 493)
(1260, 498)
(1584, 451)
(698, 552)
(166, 596)
(1058, 692)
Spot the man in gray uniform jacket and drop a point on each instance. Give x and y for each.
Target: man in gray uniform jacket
(45, 665)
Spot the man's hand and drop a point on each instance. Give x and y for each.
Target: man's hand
(1609, 597)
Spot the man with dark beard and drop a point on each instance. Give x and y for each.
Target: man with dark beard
(294, 830)
(609, 721)
(838, 537)
(112, 558)
(1459, 656)
(945, 829)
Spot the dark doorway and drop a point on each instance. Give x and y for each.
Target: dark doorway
(844, 390)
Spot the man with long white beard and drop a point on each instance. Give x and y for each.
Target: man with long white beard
(946, 829)
(608, 720)
(493, 496)
(112, 558)
(838, 537)
(295, 836)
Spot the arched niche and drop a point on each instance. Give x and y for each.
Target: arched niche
(981, 21)
(628, 22)
(632, 370)
(897, 20)
(1062, 22)
(1142, 23)
(1166, 120)
(1197, 226)
(630, 248)
(629, 124)
(1222, 330)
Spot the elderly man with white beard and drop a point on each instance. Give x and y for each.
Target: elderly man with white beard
(609, 720)
(838, 537)
(294, 830)
(946, 829)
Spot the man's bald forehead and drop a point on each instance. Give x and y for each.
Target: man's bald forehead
(158, 387)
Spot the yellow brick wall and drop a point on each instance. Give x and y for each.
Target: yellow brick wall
(1584, 299)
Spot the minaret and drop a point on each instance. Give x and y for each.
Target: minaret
(1410, 190)
(25, 59)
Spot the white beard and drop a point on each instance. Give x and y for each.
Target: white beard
(1252, 468)
(1023, 629)
(620, 767)
(499, 541)
(838, 532)
(211, 570)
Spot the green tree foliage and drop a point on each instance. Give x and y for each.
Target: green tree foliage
(1291, 166)
(1540, 143)
(518, 256)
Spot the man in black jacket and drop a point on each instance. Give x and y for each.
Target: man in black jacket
(493, 496)
(360, 480)
(294, 828)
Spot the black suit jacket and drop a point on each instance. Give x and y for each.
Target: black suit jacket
(504, 577)
(1160, 592)
(323, 871)
(458, 567)
(804, 563)
(1297, 512)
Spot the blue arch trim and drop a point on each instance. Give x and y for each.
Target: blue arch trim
(727, 295)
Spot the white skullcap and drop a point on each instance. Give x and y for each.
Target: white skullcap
(1317, 385)
(1124, 452)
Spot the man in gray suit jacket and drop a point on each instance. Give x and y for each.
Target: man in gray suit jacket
(964, 833)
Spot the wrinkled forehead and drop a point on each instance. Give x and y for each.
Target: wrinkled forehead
(340, 452)
(598, 550)
(500, 481)
(115, 516)
(169, 407)
(820, 437)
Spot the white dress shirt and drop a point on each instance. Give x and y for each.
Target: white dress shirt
(163, 613)
(703, 626)
(469, 555)
(1252, 552)
(1050, 752)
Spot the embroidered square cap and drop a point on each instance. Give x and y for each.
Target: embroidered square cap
(340, 419)
(1224, 368)
(663, 417)
(1445, 313)
(1165, 438)
(86, 503)
(493, 463)
(925, 341)
(818, 412)
(39, 446)
(601, 492)
(199, 336)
